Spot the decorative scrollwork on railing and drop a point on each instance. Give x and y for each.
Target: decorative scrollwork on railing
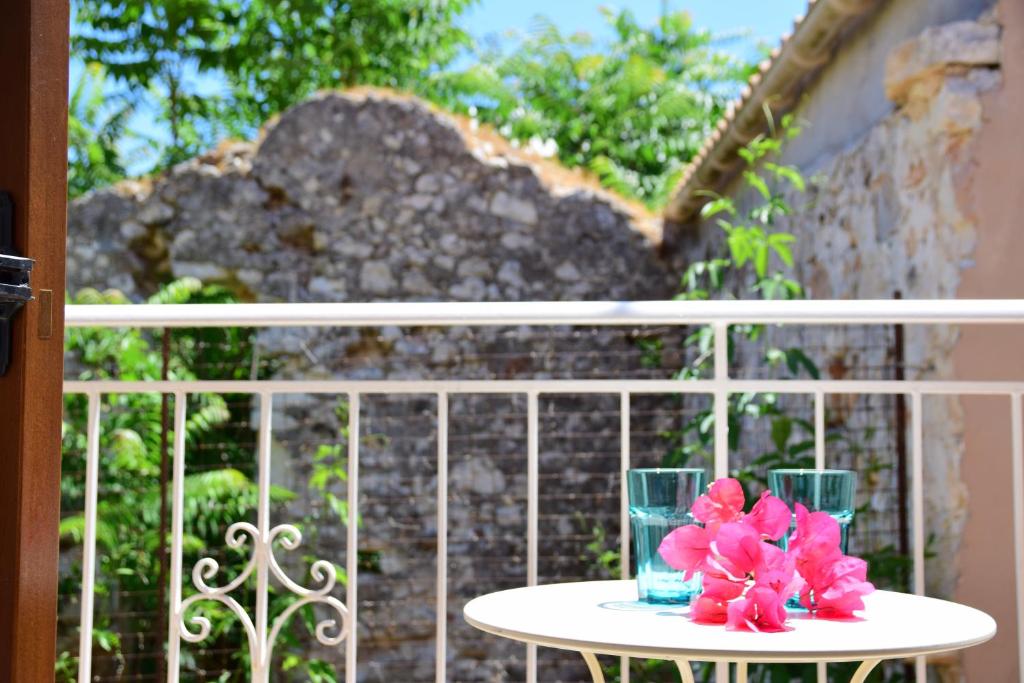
(237, 536)
(323, 574)
(329, 631)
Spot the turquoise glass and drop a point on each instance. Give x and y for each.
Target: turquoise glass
(660, 500)
(830, 491)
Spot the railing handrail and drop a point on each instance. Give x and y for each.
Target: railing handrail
(821, 311)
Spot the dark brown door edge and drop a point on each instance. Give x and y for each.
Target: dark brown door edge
(33, 169)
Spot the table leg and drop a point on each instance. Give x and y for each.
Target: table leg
(686, 673)
(863, 670)
(595, 667)
(685, 670)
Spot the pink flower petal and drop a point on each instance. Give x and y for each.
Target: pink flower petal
(842, 604)
(707, 610)
(760, 609)
(836, 583)
(776, 559)
(778, 572)
(815, 546)
(770, 516)
(740, 548)
(736, 616)
(720, 587)
(722, 503)
(848, 568)
(686, 549)
(843, 585)
(814, 529)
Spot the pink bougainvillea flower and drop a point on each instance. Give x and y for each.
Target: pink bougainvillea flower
(775, 559)
(778, 572)
(722, 503)
(814, 545)
(847, 571)
(814, 570)
(834, 583)
(738, 549)
(815, 532)
(721, 587)
(844, 586)
(708, 610)
(746, 580)
(761, 609)
(842, 605)
(770, 516)
(686, 549)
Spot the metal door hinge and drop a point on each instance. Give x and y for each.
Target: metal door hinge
(15, 279)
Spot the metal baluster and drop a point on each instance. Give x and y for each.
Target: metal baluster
(917, 511)
(819, 430)
(721, 395)
(721, 408)
(624, 529)
(260, 659)
(177, 533)
(92, 469)
(819, 463)
(352, 544)
(532, 512)
(441, 651)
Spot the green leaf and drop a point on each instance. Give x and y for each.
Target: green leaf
(782, 428)
(788, 173)
(761, 259)
(779, 243)
(72, 528)
(756, 182)
(179, 291)
(797, 359)
(717, 206)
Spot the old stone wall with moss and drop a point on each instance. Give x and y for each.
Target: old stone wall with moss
(369, 196)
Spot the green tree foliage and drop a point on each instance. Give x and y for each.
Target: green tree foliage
(753, 260)
(160, 50)
(633, 109)
(283, 51)
(97, 123)
(222, 67)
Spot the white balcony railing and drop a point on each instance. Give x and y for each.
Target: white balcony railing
(720, 315)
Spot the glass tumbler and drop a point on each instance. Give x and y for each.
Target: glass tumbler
(660, 501)
(830, 491)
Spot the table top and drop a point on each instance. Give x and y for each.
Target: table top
(604, 617)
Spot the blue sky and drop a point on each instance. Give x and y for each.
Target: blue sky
(766, 20)
(762, 21)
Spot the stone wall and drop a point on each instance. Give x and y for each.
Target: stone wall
(369, 196)
(881, 216)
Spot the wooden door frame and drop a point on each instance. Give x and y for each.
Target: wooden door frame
(33, 168)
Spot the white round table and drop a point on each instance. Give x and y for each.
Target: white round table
(604, 617)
